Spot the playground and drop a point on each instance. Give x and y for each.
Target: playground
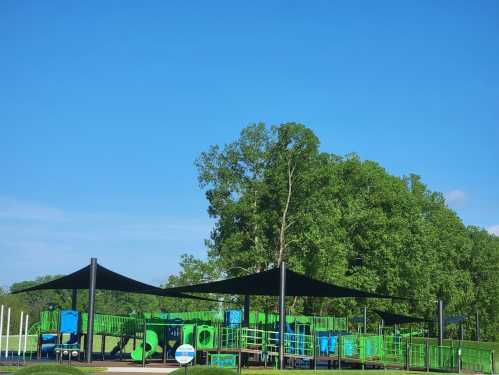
(238, 339)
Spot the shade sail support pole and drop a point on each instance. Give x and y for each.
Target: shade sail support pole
(91, 308)
(477, 326)
(246, 323)
(282, 313)
(246, 318)
(365, 319)
(74, 299)
(440, 322)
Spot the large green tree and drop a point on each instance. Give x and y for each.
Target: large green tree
(276, 197)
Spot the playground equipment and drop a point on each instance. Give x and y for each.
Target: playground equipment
(147, 348)
(308, 338)
(205, 337)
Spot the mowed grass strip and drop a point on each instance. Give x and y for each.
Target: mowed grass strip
(42, 368)
(205, 370)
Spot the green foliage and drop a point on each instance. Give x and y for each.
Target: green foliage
(193, 271)
(203, 370)
(49, 370)
(275, 196)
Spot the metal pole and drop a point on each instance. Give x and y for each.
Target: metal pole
(339, 343)
(91, 308)
(1, 329)
(365, 319)
(144, 336)
(427, 355)
(103, 347)
(246, 321)
(7, 333)
(19, 341)
(477, 322)
(25, 334)
(440, 322)
(74, 299)
(282, 313)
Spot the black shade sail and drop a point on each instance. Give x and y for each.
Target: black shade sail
(454, 319)
(106, 279)
(266, 283)
(391, 318)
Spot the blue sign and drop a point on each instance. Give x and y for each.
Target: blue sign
(185, 354)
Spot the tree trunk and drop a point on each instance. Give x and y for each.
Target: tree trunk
(282, 232)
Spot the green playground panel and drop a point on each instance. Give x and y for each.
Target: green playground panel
(222, 360)
(214, 316)
(49, 321)
(188, 334)
(113, 325)
(319, 323)
(205, 337)
(148, 349)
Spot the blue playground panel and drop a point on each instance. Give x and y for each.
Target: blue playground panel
(332, 344)
(233, 318)
(48, 343)
(69, 321)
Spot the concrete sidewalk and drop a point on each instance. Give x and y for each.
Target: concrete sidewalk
(141, 370)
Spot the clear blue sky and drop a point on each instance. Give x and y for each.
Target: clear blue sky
(104, 105)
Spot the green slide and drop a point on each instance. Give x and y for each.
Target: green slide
(151, 343)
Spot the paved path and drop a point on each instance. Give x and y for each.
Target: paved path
(141, 370)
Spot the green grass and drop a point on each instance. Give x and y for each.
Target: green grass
(49, 370)
(329, 372)
(84, 370)
(204, 370)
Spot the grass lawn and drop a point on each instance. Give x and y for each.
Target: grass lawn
(203, 370)
(86, 370)
(330, 372)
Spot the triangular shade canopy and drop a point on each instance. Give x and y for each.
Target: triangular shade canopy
(391, 318)
(266, 283)
(106, 279)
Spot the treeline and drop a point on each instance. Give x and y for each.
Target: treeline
(275, 196)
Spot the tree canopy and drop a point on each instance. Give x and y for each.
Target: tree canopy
(275, 196)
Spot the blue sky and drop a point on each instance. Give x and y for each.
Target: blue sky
(105, 105)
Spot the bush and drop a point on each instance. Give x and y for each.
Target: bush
(203, 370)
(49, 370)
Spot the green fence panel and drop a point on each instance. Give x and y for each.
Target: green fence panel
(394, 350)
(442, 358)
(417, 355)
(371, 348)
(351, 346)
(230, 338)
(478, 360)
